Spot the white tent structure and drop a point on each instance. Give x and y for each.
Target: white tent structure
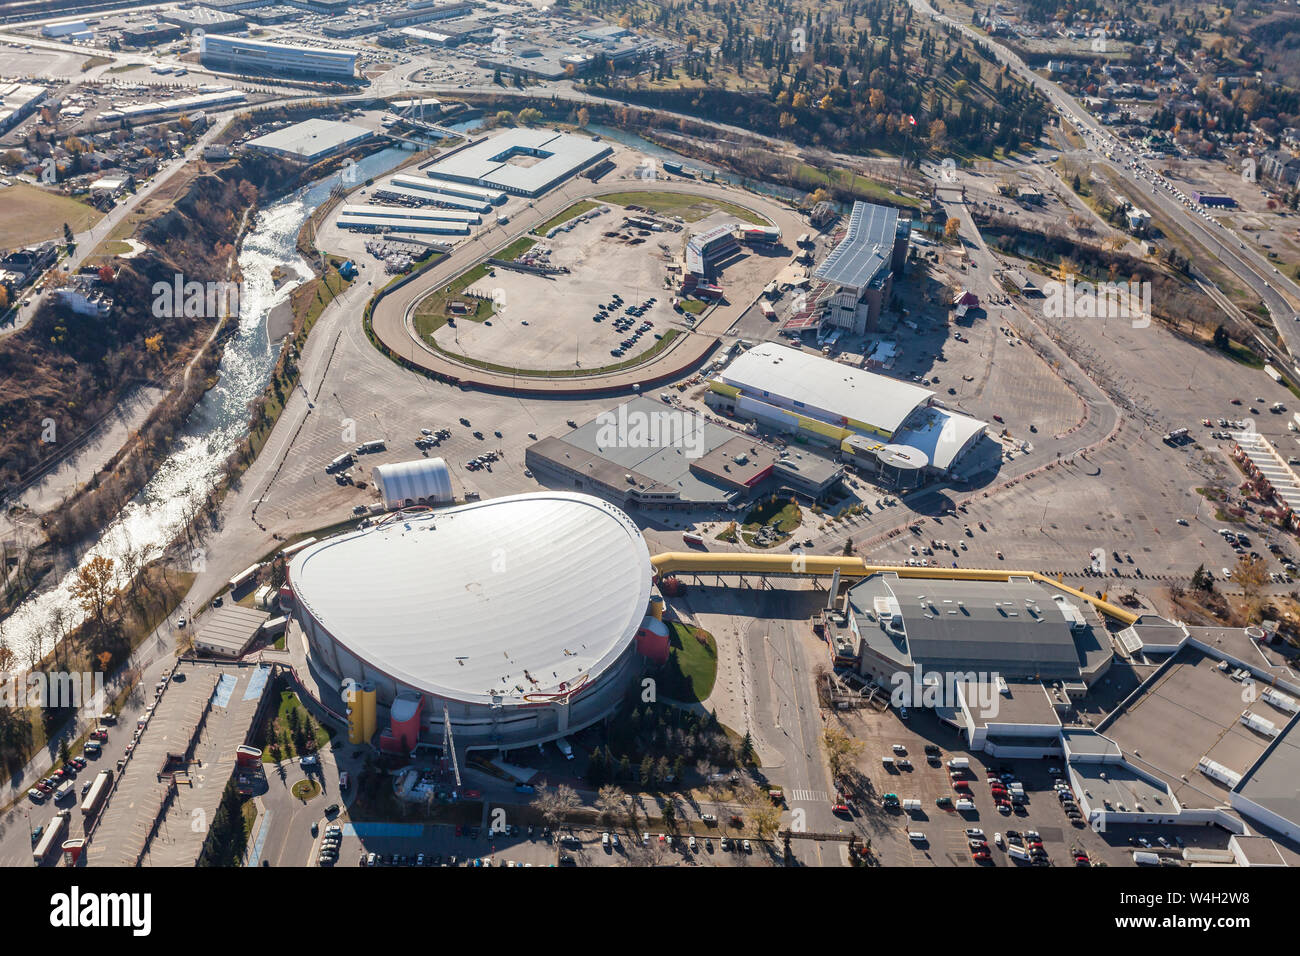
(424, 481)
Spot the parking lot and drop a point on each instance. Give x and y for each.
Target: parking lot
(397, 844)
(946, 842)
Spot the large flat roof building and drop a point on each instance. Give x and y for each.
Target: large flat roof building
(523, 162)
(1016, 629)
(874, 420)
(311, 140)
(646, 455)
(260, 58)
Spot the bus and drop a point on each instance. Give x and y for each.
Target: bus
(243, 577)
(51, 838)
(694, 540)
(94, 798)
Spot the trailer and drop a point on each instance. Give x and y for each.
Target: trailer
(95, 797)
(369, 447)
(52, 837)
(769, 313)
(291, 550)
(243, 577)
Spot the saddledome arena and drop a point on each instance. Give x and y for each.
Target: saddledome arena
(524, 617)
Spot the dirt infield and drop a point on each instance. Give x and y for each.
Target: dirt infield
(390, 320)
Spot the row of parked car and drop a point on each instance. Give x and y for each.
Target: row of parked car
(59, 783)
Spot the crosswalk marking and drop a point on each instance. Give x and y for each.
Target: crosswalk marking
(809, 796)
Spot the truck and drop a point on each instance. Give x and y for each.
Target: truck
(369, 447)
(342, 461)
(959, 763)
(1017, 852)
(912, 806)
(51, 838)
(694, 540)
(64, 792)
(769, 313)
(1145, 858)
(345, 780)
(97, 793)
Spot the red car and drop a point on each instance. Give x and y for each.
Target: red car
(44, 787)
(998, 418)
(99, 735)
(980, 854)
(1082, 860)
(78, 762)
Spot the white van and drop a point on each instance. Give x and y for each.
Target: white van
(916, 836)
(1142, 858)
(564, 747)
(888, 762)
(959, 763)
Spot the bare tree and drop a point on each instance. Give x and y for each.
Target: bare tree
(610, 801)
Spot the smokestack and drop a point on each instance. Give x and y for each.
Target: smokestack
(834, 588)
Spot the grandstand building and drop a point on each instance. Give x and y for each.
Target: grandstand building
(705, 250)
(862, 266)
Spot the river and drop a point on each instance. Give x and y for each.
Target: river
(157, 514)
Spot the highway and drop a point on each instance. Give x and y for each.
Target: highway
(1279, 293)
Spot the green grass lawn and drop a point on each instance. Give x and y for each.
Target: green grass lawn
(693, 306)
(690, 208)
(289, 702)
(577, 209)
(431, 313)
(783, 512)
(860, 187)
(692, 663)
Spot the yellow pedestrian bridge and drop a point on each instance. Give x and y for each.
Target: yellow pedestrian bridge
(815, 566)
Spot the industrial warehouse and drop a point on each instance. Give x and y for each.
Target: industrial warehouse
(311, 140)
(488, 617)
(522, 162)
(891, 430)
(642, 454)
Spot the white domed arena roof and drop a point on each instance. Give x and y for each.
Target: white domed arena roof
(509, 597)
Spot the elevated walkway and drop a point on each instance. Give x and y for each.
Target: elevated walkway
(850, 568)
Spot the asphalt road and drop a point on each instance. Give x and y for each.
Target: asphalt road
(1278, 293)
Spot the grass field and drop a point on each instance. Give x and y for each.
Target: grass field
(30, 214)
(690, 208)
(692, 663)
